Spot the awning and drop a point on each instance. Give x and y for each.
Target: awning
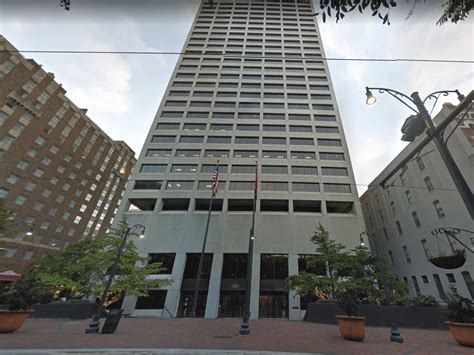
(9, 275)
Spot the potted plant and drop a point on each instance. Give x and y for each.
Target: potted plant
(19, 297)
(461, 318)
(351, 326)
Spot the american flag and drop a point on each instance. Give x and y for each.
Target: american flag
(215, 181)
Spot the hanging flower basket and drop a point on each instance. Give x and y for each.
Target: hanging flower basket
(453, 261)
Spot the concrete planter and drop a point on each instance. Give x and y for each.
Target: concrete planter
(64, 311)
(410, 317)
(12, 320)
(463, 333)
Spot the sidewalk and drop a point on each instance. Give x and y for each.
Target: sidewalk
(146, 335)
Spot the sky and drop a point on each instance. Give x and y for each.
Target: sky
(122, 92)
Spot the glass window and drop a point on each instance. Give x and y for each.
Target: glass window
(241, 186)
(274, 186)
(274, 128)
(171, 126)
(246, 140)
(439, 209)
(188, 153)
(179, 185)
(216, 153)
(274, 140)
(162, 153)
(243, 169)
(329, 142)
(301, 141)
(184, 168)
(194, 126)
(303, 155)
(221, 127)
(274, 169)
(332, 171)
(163, 139)
(323, 129)
(304, 170)
(219, 140)
(209, 168)
(273, 116)
(428, 183)
(166, 114)
(338, 188)
(245, 153)
(305, 187)
(331, 156)
(191, 139)
(153, 168)
(197, 115)
(248, 127)
(147, 185)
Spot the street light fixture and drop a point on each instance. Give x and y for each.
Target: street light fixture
(436, 135)
(395, 335)
(139, 230)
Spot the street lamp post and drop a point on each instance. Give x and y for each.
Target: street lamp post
(436, 136)
(94, 325)
(395, 335)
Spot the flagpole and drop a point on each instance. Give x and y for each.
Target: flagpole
(244, 327)
(201, 257)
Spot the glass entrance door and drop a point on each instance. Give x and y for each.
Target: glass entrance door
(186, 304)
(231, 304)
(273, 304)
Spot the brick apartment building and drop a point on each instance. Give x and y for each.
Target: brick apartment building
(59, 172)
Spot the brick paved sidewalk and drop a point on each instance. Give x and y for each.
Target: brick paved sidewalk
(267, 335)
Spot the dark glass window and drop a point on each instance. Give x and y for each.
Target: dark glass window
(273, 266)
(147, 185)
(192, 264)
(312, 264)
(153, 168)
(234, 266)
(154, 300)
(166, 260)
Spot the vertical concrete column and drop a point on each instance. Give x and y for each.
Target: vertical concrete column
(293, 298)
(213, 293)
(174, 290)
(255, 289)
(128, 304)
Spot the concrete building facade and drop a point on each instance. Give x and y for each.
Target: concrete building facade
(418, 200)
(60, 173)
(250, 86)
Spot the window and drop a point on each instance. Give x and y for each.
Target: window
(158, 153)
(153, 168)
(191, 139)
(392, 261)
(394, 208)
(147, 185)
(385, 233)
(301, 141)
(246, 140)
(273, 266)
(403, 179)
(216, 153)
(407, 255)
(399, 228)
(329, 142)
(420, 163)
(245, 153)
(332, 171)
(337, 188)
(168, 126)
(194, 126)
(429, 184)
(416, 219)
(197, 115)
(179, 185)
(184, 168)
(331, 156)
(274, 186)
(163, 139)
(408, 196)
(426, 249)
(20, 200)
(209, 168)
(303, 155)
(274, 169)
(166, 260)
(241, 186)
(175, 103)
(243, 169)
(305, 187)
(12, 179)
(22, 164)
(154, 300)
(439, 209)
(188, 153)
(10, 252)
(425, 280)
(451, 278)
(248, 127)
(221, 127)
(273, 140)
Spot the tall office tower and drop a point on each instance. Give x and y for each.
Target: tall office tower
(59, 172)
(250, 87)
(404, 219)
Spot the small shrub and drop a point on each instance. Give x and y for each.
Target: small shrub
(22, 294)
(424, 301)
(460, 309)
(349, 300)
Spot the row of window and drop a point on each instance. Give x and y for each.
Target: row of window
(250, 116)
(265, 154)
(247, 85)
(242, 186)
(253, 127)
(243, 169)
(249, 140)
(252, 105)
(241, 205)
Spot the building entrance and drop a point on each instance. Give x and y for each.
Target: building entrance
(231, 304)
(273, 304)
(186, 304)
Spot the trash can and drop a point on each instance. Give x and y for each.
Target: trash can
(112, 321)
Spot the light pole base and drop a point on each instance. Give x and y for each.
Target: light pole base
(94, 325)
(395, 334)
(244, 327)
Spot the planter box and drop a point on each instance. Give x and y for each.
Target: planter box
(410, 317)
(64, 311)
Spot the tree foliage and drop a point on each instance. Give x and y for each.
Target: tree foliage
(83, 268)
(22, 294)
(357, 270)
(6, 220)
(452, 10)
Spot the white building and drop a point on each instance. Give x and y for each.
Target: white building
(250, 86)
(418, 200)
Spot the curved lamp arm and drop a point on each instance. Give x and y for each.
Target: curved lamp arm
(396, 94)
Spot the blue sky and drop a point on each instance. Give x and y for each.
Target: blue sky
(122, 92)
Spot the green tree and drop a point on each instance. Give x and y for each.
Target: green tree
(6, 220)
(84, 268)
(356, 270)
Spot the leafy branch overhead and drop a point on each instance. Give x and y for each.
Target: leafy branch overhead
(452, 10)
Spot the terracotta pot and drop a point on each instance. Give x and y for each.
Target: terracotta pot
(12, 320)
(351, 328)
(463, 333)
